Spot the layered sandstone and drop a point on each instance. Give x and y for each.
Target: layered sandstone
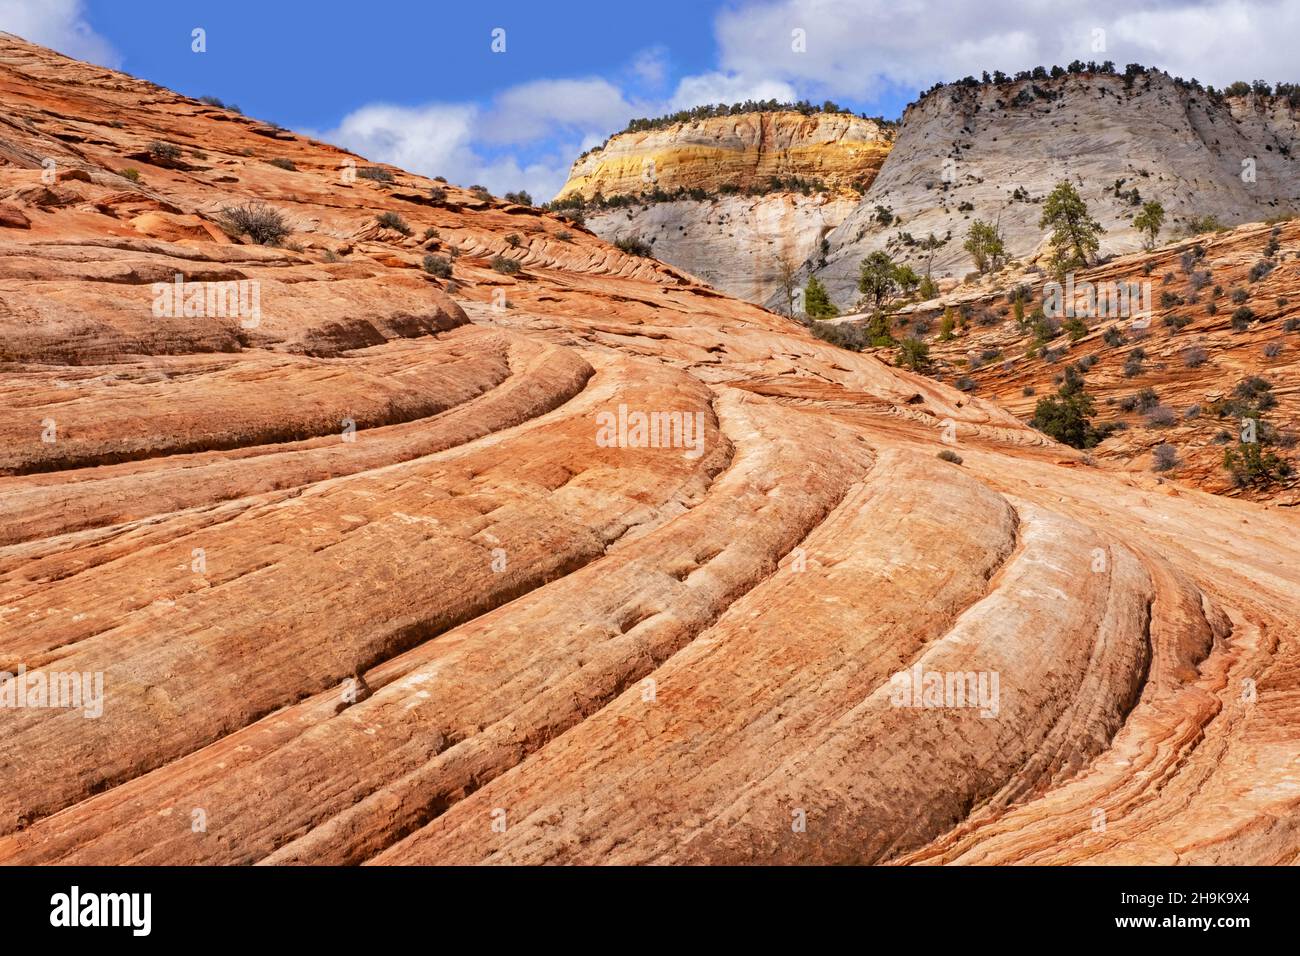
(365, 585)
(736, 238)
(745, 150)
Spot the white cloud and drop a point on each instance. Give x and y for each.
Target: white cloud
(59, 25)
(727, 88)
(860, 48)
(434, 140)
(530, 111)
(651, 67)
(463, 143)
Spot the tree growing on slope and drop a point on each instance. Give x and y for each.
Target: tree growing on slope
(1074, 232)
(817, 303)
(881, 280)
(1149, 221)
(984, 243)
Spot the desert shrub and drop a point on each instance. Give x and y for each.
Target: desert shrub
(506, 266)
(1291, 325)
(1195, 357)
(281, 163)
(1028, 390)
(1238, 296)
(519, 198)
(846, 336)
(130, 173)
(391, 220)
(1076, 328)
(1164, 457)
(513, 240)
(1162, 416)
(1242, 317)
(376, 173)
(480, 192)
(1066, 417)
(168, 152)
(1272, 349)
(1250, 463)
(947, 455)
(913, 354)
(430, 233)
(965, 383)
(634, 246)
(564, 235)
(264, 224)
(437, 266)
(1192, 411)
(1260, 269)
(1211, 308)
(1176, 322)
(1169, 299)
(214, 101)
(1134, 362)
(438, 194)
(1113, 336)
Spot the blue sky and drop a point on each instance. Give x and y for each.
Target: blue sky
(418, 84)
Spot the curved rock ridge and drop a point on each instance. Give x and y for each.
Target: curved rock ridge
(583, 562)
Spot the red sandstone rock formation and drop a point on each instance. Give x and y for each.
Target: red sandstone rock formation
(366, 583)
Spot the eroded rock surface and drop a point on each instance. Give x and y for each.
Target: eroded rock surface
(389, 575)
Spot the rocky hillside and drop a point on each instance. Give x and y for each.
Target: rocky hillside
(463, 536)
(1171, 389)
(993, 152)
(728, 198)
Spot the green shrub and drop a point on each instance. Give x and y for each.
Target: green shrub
(951, 456)
(914, 354)
(130, 173)
(376, 173)
(505, 266)
(282, 163)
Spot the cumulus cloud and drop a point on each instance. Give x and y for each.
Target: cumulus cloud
(59, 25)
(861, 48)
(530, 111)
(727, 88)
(526, 138)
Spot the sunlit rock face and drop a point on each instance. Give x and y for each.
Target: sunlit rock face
(560, 555)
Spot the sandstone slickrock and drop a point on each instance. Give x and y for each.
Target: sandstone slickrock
(366, 584)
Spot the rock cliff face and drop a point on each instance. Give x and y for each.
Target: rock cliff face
(994, 152)
(394, 568)
(744, 150)
(736, 237)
